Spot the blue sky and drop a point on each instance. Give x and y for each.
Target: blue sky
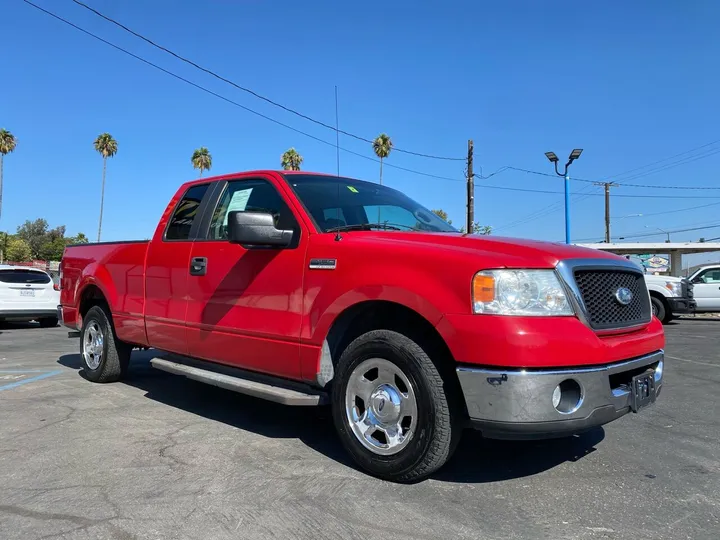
(630, 82)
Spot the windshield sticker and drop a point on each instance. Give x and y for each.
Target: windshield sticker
(353, 189)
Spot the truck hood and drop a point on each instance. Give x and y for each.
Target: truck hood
(662, 279)
(508, 252)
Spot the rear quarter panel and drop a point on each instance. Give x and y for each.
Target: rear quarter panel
(117, 269)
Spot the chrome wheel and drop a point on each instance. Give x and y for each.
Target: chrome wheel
(93, 345)
(654, 309)
(380, 406)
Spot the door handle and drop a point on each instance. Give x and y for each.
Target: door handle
(198, 266)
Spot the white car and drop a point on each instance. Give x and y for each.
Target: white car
(28, 294)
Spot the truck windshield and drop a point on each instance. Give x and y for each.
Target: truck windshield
(338, 203)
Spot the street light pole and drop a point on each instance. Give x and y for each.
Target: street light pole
(662, 231)
(567, 206)
(554, 160)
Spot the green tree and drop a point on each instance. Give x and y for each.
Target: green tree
(4, 241)
(18, 250)
(442, 214)
(79, 239)
(53, 249)
(291, 160)
(382, 145)
(35, 235)
(201, 159)
(107, 147)
(8, 142)
(479, 229)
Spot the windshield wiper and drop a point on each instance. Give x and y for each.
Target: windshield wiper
(363, 227)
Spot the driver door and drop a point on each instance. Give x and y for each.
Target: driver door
(707, 289)
(245, 306)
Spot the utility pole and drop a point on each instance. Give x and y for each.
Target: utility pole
(607, 186)
(470, 190)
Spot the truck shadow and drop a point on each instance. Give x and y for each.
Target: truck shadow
(477, 460)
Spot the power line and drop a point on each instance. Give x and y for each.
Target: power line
(665, 159)
(643, 234)
(678, 163)
(228, 100)
(601, 194)
(680, 210)
(586, 180)
(717, 225)
(543, 212)
(261, 115)
(248, 90)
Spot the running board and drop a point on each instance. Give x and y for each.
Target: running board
(256, 385)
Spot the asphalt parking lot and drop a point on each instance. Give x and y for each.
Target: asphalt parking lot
(159, 456)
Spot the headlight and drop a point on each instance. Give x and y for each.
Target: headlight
(674, 287)
(519, 292)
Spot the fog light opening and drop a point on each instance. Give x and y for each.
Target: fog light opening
(567, 396)
(659, 371)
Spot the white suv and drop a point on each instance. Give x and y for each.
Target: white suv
(28, 294)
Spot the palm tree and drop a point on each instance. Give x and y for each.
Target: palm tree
(291, 160)
(107, 147)
(8, 142)
(382, 146)
(201, 159)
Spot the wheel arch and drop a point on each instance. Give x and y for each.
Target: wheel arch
(659, 296)
(90, 295)
(368, 315)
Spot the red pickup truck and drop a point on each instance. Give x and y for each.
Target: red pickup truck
(310, 289)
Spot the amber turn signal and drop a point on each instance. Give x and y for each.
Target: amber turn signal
(483, 288)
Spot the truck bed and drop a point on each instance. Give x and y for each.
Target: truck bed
(117, 270)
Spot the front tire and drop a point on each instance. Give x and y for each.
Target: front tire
(660, 310)
(393, 411)
(105, 358)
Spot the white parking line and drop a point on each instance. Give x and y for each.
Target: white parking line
(692, 361)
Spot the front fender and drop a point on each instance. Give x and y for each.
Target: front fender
(321, 318)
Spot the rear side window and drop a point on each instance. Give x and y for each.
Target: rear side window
(185, 213)
(24, 277)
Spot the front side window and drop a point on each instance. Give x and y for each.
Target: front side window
(343, 202)
(185, 213)
(710, 276)
(250, 196)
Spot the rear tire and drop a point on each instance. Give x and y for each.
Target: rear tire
(49, 322)
(660, 310)
(105, 358)
(393, 411)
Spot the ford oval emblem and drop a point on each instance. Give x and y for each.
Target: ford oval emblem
(624, 295)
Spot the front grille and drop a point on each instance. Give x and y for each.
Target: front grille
(598, 289)
(687, 289)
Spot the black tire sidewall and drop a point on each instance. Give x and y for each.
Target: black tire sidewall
(396, 465)
(661, 311)
(96, 314)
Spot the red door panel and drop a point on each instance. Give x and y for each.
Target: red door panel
(246, 311)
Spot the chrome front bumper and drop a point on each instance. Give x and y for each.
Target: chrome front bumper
(518, 404)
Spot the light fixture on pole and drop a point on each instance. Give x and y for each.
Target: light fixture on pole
(662, 231)
(554, 160)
